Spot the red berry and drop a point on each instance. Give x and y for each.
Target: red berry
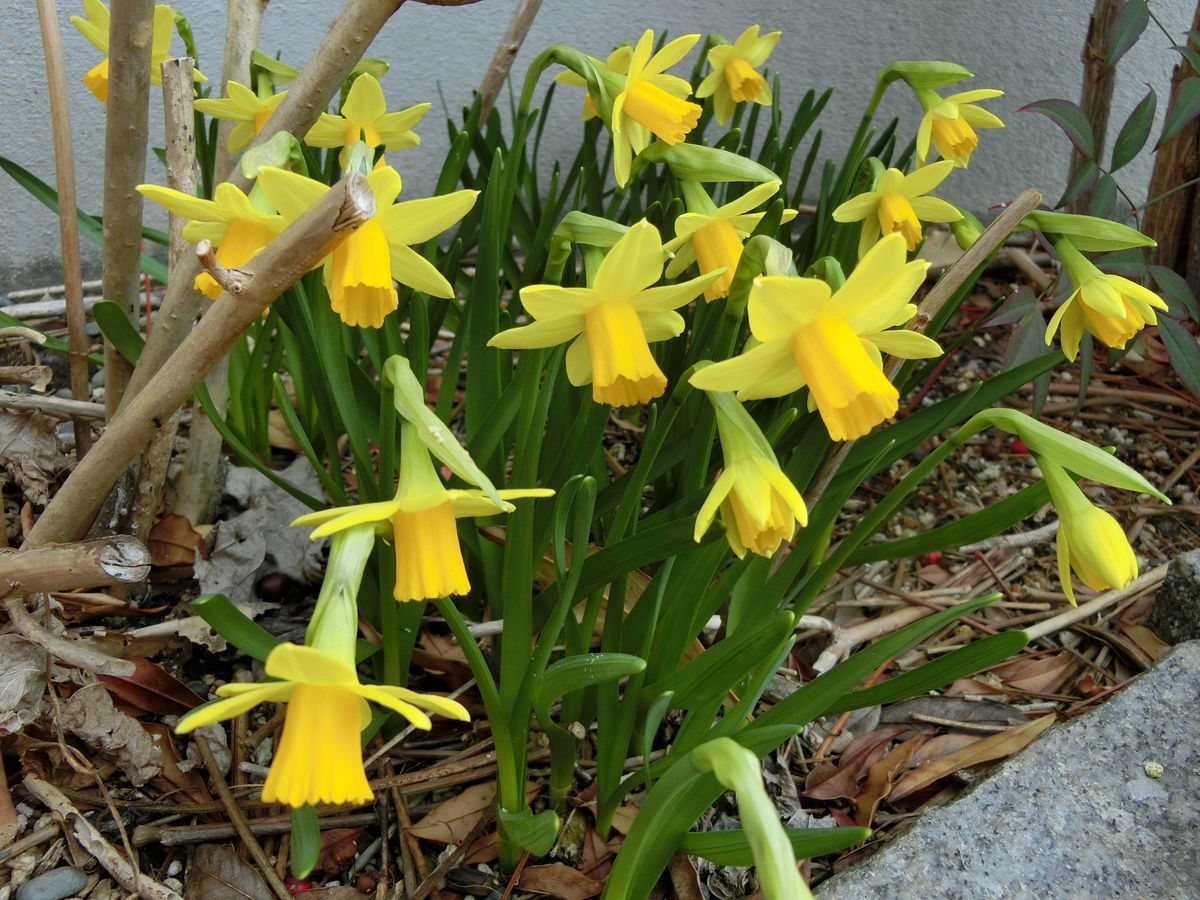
(297, 886)
(1018, 447)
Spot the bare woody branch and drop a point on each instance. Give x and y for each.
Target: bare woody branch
(506, 54)
(68, 226)
(306, 242)
(119, 559)
(125, 133)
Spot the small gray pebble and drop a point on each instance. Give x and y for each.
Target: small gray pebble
(53, 885)
(174, 868)
(98, 378)
(91, 329)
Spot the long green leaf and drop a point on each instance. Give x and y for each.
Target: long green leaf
(730, 848)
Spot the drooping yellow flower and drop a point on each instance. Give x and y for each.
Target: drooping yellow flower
(319, 757)
(612, 322)
(1090, 541)
(243, 106)
(759, 505)
(833, 344)
(1112, 308)
(364, 116)
(734, 77)
(421, 516)
(950, 123)
(712, 238)
(898, 204)
(359, 273)
(651, 102)
(95, 29)
(237, 225)
(617, 62)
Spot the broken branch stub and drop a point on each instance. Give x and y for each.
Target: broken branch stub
(119, 559)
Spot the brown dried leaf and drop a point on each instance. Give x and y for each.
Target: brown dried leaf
(216, 872)
(953, 709)
(278, 434)
(22, 682)
(557, 880)
(152, 689)
(452, 820)
(173, 541)
(684, 880)
(29, 452)
(338, 848)
(830, 783)
(1042, 675)
(985, 750)
(189, 783)
(943, 745)
(90, 715)
(483, 850)
(882, 775)
(623, 817)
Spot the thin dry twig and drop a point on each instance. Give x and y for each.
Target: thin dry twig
(68, 226)
(76, 653)
(95, 843)
(506, 54)
(238, 820)
(1063, 621)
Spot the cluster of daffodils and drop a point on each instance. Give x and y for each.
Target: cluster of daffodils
(823, 337)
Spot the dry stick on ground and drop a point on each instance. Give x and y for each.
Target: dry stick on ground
(39, 377)
(125, 134)
(68, 226)
(340, 211)
(1095, 97)
(179, 126)
(352, 29)
(239, 821)
(94, 843)
(506, 53)
(1065, 620)
(118, 559)
(52, 406)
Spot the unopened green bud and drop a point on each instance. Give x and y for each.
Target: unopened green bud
(1088, 233)
(281, 151)
(966, 230)
(693, 162)
(279, 72)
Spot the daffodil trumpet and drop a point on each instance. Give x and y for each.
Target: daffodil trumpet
(831, 342)
(712, 237)
(1110, 307)
(758, 504)
(420, 519)
(319, 756)
(1090, 542)
(898, 203)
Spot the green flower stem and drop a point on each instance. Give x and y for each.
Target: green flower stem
(333, 627)
(510, 784)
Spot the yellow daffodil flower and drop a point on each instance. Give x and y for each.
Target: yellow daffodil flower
(712, 236)
(950, 123)
(612, 322)
(359, 273)
(1090, 541)
(651, 102)
(364, 116)
(429, 561)
(617, 62)
(734, 78)
(833, 344)
(243, 106)
(1112, 308)
(759, 505)
(898, 204)
(319, 757)
(237, 225)
(95, 29)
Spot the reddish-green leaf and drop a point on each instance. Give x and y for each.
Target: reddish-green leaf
(1185, 108)
(1131, 21)
(1070, 118)
(1135, 131)
(1183, 351)
(1084, 178)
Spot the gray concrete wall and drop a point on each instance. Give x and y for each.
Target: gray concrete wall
(1029, 48)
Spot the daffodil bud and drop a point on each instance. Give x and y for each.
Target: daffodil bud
(582, 229)
(923, 74)
(694, 162)
(966, 230)
(281, 150)
(278, 71)
(1089, 233)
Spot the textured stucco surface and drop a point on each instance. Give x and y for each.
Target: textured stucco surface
(1030, 48)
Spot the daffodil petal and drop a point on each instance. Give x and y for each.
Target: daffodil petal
(634, 263)
(549, 301)
(905, 344)
(409, 267)
(416, 221)
(672, 296)
(289, 192)
(857, 208)
(716, 496)
(661, 324)
(879, 286)
(974, 96)
(365, 101)
(780, 304)
(354, 515)
(538, 334)
(307, 665)
(227, 708)
(579, 361)
(925, 179)
(672, 53)
(749, 200)
(388, 701)
(935, 209)
(742, 372)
